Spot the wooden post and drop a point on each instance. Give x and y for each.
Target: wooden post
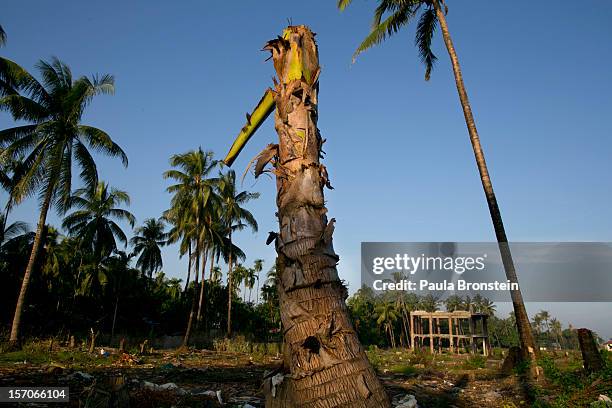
(412, 344)
(431, 345)
(438, 332)
(472, 329)
(450, 335)
(485, 330)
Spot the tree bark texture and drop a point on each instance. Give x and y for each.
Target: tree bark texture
(325, 365)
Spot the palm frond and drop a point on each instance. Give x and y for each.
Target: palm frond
(89, 169)
(2, 37)
(343, 4)
(388, 27)
(23, 108)
(100, 140)
(424, 34)
(14, 78)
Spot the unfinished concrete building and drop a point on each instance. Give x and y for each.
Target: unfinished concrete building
(455, 331)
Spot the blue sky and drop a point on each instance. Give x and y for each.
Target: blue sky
(397, 149)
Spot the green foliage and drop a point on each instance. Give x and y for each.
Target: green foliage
(474, 362)
(407, 370)
(574, 387)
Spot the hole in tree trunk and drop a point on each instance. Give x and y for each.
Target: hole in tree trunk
(311, 343)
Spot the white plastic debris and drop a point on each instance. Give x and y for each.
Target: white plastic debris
(408, 401)
(164, 387)
(212, 394)
(276, 380)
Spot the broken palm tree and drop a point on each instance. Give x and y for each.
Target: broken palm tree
(324, 364)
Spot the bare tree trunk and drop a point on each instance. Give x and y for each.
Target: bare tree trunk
(327, 365)
(527, 342)
(14, 339)
(230, 292)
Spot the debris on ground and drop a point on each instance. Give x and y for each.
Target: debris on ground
(408, 401)
(164, 387)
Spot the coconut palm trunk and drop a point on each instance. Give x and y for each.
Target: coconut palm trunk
(202, 288)
(14, 338)
(230, 291)
(194, 299)
(326, 363)
(188, 269)
(522, 319)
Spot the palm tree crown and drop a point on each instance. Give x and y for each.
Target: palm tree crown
(147, 245)
(94, 218)
(55, 135)
(397, 14)
(235, 217)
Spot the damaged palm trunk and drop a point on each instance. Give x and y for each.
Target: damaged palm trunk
(324, 363)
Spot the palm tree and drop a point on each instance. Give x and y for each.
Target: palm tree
(453, 303)
(216, 275)
(147, 245)
(545, 317)
(191, 209)
(52, 142)
(487, 307)
(178, 233)
(235, 218)
(557, 330)
(94, 220)
(313, 296)
(120, 274)
(2, 37)
(429, 303)
(401, 13)
(386, 316)
(258, 267)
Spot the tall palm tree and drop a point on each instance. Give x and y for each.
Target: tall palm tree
(386, 316)
(216, 274)
(433, 12)
(235, 218)
(53, 142)
(257, 267)
(95, 218)
(191, 207)
(147, 242)
(119, 272)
